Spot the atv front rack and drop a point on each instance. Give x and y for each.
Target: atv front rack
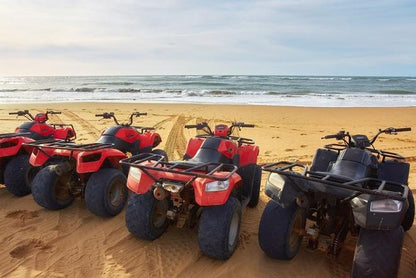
(10, 135)
(196, 170)
(286, 169)
(64, 145)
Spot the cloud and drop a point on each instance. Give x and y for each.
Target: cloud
(204, 37)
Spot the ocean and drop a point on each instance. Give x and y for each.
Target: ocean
(317, 91)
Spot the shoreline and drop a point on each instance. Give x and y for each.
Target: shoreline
(112, 102)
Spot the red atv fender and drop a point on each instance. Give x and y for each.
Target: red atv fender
(11, 146)
(193, 146)
(248, 154)
(63, 133)
(140, 183)
(43, 129)
(149, 139)
(87, 161)
(91, 161)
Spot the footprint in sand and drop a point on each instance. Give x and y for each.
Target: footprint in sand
(22, 215)
(24, 248)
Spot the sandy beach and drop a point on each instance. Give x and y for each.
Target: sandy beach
(75, 243)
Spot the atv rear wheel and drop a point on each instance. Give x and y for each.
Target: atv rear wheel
(161, 152)
(50, 190)
(19, 174)
(146, 216)
(280, 230)
(106, 192)
(377, 253)
(409, 217)
(255, 193)
(219, 228)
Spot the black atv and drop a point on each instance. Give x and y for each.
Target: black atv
(350, 187)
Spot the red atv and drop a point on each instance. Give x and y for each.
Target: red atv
(15, 170)
(90, 170)
(217, 177)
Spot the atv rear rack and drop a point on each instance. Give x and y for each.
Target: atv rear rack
(286, 169)
(196, 170)
(10, 135)
(64, 145)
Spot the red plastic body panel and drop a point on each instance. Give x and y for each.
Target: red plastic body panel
(193, 146)
(128, 134)
(41, 117)
(86, 161)
(228, 148)
(84, 165)
(248, 154)
(42, 129)
(63, 133)
(216, 198)
(11, 146)
(202, 197)
(149, 139)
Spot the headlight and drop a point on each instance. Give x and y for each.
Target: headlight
(135, 173)
(274, 186)
(386, 205)
(275, 180)
(217, 186)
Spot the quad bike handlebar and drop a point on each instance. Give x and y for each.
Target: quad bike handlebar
(53, 112)
(208, 131)
(109, 115)
(29, 116)
(349, 142)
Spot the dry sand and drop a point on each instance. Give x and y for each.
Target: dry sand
(74, 242)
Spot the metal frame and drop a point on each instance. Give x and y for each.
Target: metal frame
(331, 180)
(10, 135)
(64, 145)
(196, 170)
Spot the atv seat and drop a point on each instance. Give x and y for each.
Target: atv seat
(108, 137)
(209, 153)
(353, 164)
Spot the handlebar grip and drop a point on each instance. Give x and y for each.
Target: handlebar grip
(403, 129)
(54, 112)
(13, 113)
(330, 136)
(99, 115)
(191, 126)
(141, 114)
(247, 125)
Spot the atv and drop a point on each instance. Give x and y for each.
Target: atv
(91, 171)
(350, 188)
(217, 177)
(15, 170)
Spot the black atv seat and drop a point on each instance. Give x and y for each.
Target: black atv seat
(353, 164)
(108, 137)
(208, 152)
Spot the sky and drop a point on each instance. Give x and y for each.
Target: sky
(284, 37)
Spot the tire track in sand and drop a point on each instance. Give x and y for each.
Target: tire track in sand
(176, 141)
(86, 126)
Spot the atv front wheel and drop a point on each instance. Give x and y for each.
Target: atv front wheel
(106, 192)
(280, 230)
(219, 228)
(146, 216)
(19, 174)
(50, 190)
(409, 217)
(377, 253)
(255, 193)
